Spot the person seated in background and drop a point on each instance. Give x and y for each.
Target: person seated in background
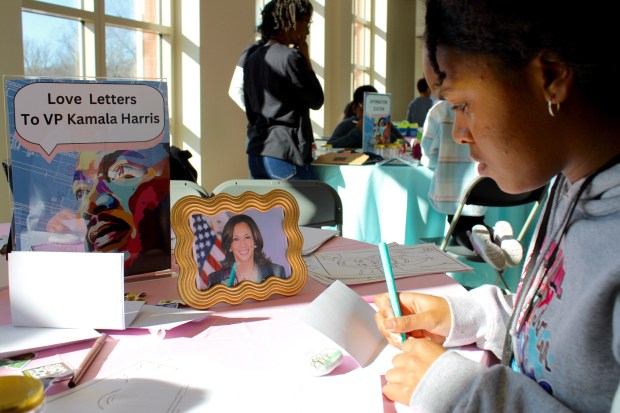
(419, 107)
(348, 133)
(454, 170)
(347, 112)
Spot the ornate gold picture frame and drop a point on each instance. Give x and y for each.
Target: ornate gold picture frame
(230, 248)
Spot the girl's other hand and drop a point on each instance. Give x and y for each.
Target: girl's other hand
(423, 316)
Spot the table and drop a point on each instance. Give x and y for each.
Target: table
(389, 203)
(235, 333)
(386, 203)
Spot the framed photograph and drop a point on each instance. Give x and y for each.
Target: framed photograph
(230, 248)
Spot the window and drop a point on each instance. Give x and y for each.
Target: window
(369, 43)
(260, 5)
(51, 45)
(102, 38)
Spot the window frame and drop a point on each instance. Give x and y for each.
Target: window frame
(93, 36)
(372, 33)
(367, 28)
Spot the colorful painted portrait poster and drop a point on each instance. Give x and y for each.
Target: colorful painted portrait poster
(90, 168)
(377, 116)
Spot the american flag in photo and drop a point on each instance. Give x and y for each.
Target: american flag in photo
(207, 247)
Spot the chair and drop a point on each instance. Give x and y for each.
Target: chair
(179, 189)
(485, 191)
(319, 204)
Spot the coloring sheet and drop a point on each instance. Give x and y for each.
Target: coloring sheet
(358, 267)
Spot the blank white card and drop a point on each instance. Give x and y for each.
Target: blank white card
(67, 289)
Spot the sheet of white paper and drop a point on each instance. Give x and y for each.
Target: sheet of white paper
(157, 317)
(67, 289)
(4, 273)
(314, 238)
(343, 316)
(20, 340)
(132, 310)
(191, 379)
(4, 266)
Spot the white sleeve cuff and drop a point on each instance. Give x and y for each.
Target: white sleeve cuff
(481, 317)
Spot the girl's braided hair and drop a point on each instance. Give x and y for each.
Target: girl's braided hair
(282, 15)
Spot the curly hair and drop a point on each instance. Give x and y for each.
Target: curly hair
(227, 238)
(282, 15)
(513, 32)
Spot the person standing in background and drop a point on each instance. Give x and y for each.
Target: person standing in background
(454, 170)
(279, 88)
(235, 89)
(419, 107)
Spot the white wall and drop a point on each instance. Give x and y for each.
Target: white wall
(227, 28)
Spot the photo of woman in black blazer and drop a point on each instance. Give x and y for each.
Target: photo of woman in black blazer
(245, 259)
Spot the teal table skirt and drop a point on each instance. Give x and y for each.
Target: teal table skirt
(389, 203)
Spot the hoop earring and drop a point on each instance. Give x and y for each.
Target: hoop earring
(553, 111)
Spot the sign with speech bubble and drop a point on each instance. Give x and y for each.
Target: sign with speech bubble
(54, 117)
(377, 115)
(90, 167)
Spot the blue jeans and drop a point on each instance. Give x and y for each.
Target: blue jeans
(265, 167)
